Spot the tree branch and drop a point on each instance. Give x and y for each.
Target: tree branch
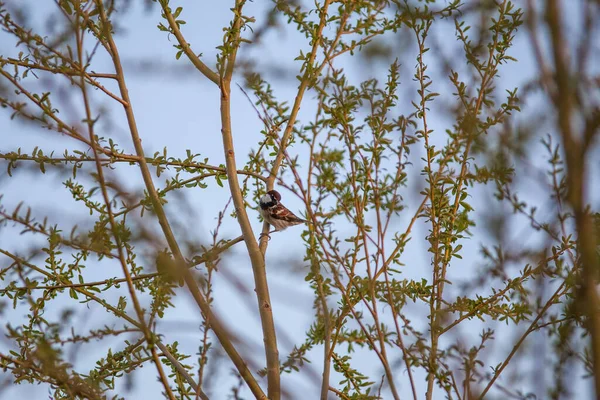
(185, 46)
(215, 323)
(257, 259)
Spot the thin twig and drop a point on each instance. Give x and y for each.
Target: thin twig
(185, 46)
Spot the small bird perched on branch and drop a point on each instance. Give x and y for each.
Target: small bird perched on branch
(275, 213)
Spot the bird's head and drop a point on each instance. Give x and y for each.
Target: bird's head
(270, 199)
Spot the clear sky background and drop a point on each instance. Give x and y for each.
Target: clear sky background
(177, 108)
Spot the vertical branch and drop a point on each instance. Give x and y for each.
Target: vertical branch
(309, 70)
(327, 342)
(256, 257)
(575, 154)
(214, 322)
(211, 264)
(486, 79)
(356, 182)
(424, 82)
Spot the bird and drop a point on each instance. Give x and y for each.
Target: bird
(275, 213)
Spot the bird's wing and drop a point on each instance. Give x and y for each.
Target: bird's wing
(283, 214)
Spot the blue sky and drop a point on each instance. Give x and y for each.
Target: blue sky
(178, 108)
